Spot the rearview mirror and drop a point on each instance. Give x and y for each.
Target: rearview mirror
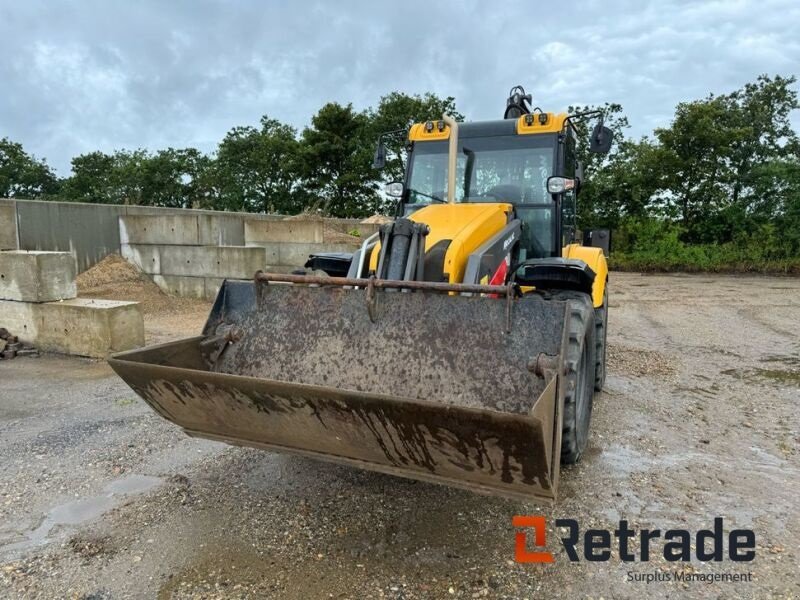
(394, 189)
(601, 139)
(379, 161)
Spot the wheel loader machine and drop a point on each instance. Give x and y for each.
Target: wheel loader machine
(462, 344)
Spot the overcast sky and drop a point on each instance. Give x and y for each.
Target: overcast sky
(81, 76)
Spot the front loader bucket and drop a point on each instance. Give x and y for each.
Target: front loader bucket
(455, 389)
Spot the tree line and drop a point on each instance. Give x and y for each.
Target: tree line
(718, 185)
(270, 168)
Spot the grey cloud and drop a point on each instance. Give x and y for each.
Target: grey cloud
(105, 75)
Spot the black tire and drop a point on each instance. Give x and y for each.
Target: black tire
(600, 337)
(578, 374)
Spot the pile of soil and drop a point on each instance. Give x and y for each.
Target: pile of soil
(379, 219)
(333, 236)
(114, 278)
(330, 233)
(305, 216)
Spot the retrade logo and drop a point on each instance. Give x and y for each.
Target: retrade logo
(632, 545)
(521, 552)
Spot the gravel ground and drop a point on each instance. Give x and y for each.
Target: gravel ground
(100, 498)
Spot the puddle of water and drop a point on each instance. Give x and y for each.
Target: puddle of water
(132, 484)
(73, 513)
(85, 509)
(780, 376)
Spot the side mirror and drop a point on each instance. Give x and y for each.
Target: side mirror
(558, 185)
(601, 139)
(394, 189)
(379, 160)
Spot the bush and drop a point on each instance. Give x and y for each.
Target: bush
(653, 245)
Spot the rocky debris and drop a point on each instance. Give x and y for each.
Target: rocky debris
(638, 361)
(89, 546)
(379, 219)
(11, 347)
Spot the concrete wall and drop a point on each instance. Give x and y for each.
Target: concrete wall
(188, 228)
(191, 254)
(91, 231)
(8, 225)
(186, 252)
(198, 271)
(258, 232)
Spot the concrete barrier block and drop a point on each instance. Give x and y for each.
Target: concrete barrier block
(272, 251)
(193, 261)
(147, 258)
(237, 262)
(8, 226)
(37, 276)
(221, 230)
(283, 231)
(159, 229)
(81, 326)
(181, 285)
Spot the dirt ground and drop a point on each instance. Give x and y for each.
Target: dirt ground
(101, 498)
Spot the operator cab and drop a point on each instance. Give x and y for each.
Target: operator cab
(500, 161)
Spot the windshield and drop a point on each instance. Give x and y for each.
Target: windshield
(490, 169)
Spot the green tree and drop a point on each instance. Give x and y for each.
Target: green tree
(605, 193)
(171, 177)
(715, 149)
(201, 185)
(759, 117)
(398, 111)
(22, 175)
(92, 179)
(167, 178)
(257, 169)
(622, 187)
(128, 179)
(335, 162)
(695, 159)
(775, 189)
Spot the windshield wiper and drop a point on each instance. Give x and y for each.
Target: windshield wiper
(434, 198)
